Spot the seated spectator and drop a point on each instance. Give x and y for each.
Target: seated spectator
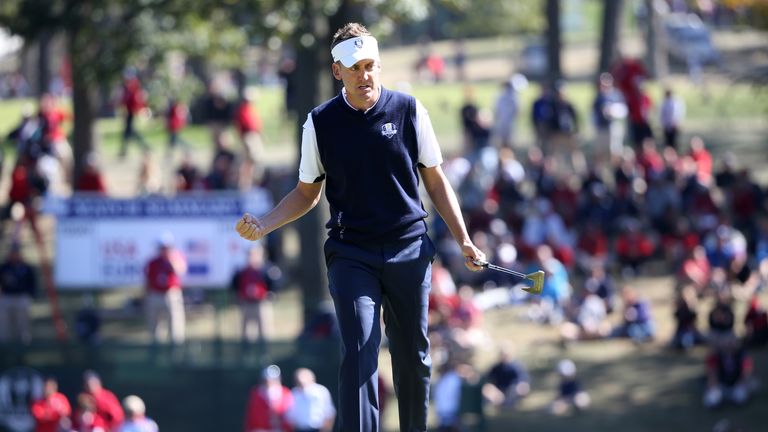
(589, 320)
(545, 227)
(729, 374)
(638, 324)
(694, 270)
(686, 333)
(507, 380)
(135, 416)
(92, 179)
(600, 283)
(634, 248)
(756, 324)
(465, 321)
(570, 394)
(702, 157)
(188, 176)
(592, 248)
(556, 291)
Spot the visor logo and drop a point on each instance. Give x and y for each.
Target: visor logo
(388, 130)
(359, 43)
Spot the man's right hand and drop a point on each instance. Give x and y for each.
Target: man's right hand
(250, 228)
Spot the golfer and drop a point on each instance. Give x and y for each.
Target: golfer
(371, 146)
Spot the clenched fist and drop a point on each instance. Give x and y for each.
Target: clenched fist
(249, 227)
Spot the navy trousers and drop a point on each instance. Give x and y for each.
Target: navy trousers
(363, 279)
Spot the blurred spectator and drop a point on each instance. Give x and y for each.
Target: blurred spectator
(570, 394)
(312, 409)
(176, 115)
(637, 322)
(163, 299)
(506, 111)
(639, 105)
(695, 270)
(703, 159)
(687, 333)
(563, 141)
(608, 112)
(729, 374)
(600, 283)
(92, 179)
(222, 175)
(634, 248)
(507, 381)
(460, 59)
(87, 418)
(135, 416)
(52, 411)
(54, 138)
(188, 177)
(106, 407)
(148, 179)
(27, 187)
(721, 317)
(542, 116)
(546, 227)
(671, 114)
(587, 321)
(476, 129)
(134, 100)
(218, 113)
(756, 324)
(447, 398)
(18, 287)
(435, 66)
(255, 286)
(556, 291)
(268, 404)
(249, 127)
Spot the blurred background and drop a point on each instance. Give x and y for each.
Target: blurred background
(619, 145)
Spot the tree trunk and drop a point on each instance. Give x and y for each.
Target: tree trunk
(655, 43)
(553, 38)
(43, 62)
(84, 102)
(312, 64)
(609, 41)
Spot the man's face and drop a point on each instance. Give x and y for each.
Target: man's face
(362, 82)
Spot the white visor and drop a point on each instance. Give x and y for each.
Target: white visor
(353, 50)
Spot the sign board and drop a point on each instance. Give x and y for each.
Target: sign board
(104, 243)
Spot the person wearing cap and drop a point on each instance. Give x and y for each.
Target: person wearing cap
(163, 298)
(373, 147)
(268, 404)
(18, 287)
(135, 416)
(100, 402)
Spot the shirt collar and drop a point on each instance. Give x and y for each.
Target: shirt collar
(344, 95)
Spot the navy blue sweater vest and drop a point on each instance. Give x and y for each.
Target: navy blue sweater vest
(371, 169)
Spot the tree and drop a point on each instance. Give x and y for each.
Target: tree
(554, 40)
(611, 30)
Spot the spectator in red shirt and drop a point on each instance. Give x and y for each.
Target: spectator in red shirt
(134, 99)
(86, 418)
(703, 159)
(91, 180)
(633, 248)
(107, 406)
(52, 411)
(695, 270)
(268, 404)
(164, 300)
(249, 127)
(175, 120)
(255, 285)
(54, 136)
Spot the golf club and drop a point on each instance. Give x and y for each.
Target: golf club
(536, 277)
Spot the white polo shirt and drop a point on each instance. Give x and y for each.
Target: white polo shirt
(310, 167)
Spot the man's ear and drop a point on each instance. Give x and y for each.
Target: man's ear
(336, 70)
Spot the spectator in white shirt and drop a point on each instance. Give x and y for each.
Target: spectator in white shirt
(672, 113)
(312, 409)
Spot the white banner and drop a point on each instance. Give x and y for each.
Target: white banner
(104, 243)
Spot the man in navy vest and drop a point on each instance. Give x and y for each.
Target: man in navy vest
(372, 146)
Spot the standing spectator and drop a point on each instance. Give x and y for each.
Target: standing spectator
(542, 116)
(703, 159)
(52, 411)
(92, 179)
(565, 129)
(218, 113)
(507, 109)
(134, 100)
(255, 285)
(312, 409)
(686, 332)
(163, 299)
(507, 380)
(268, 404)
(476, 129)
(671, 114)
(608, 112)
(135, 416)
(54, 138)
(729, 374)
(18, 286)
(249, 126)
(107, 406)
(570, 394)
(175, 120)
(460, 59)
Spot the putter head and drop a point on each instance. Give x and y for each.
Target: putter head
(537, 278)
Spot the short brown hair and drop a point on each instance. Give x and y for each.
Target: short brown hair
(349, 31)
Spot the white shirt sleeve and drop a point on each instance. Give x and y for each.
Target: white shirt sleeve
(310, 166)
(429, 149)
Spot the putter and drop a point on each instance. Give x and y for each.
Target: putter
(536, 277)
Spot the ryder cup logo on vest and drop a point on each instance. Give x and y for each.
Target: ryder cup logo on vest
(388, 130)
